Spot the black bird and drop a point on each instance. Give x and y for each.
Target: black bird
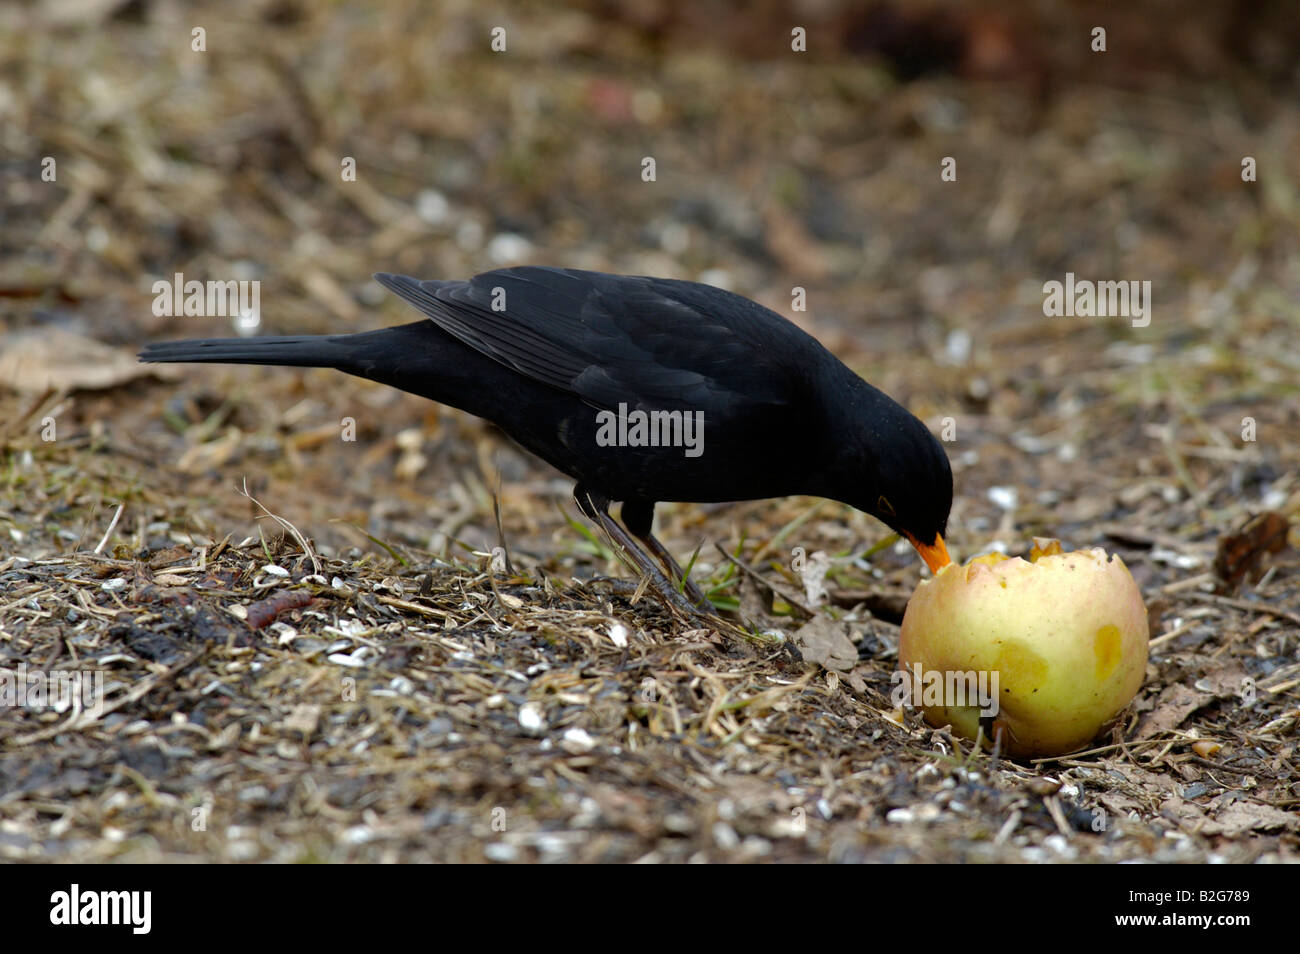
(641, 389)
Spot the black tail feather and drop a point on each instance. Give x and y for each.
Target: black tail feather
(303, 351)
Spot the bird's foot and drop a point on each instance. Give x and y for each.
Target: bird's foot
(677, 574)
(695, 607)
(673, 599)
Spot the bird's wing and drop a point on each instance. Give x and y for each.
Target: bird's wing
(652, 343)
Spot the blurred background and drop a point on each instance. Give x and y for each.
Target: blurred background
(775, 168)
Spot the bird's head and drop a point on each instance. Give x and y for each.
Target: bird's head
(914, 497)
(908, 481)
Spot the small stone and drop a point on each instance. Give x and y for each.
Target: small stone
(531, 718)
(577, 741)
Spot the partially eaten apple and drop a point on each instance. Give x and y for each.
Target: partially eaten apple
(1044, 652)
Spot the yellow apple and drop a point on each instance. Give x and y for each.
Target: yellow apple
(1060, 640)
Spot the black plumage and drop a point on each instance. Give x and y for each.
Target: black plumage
(550, 354)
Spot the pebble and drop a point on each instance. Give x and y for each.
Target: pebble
(531, 718)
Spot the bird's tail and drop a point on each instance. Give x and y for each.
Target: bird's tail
(304, 351)
(359, 353)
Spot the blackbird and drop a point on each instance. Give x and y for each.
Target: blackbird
(641, 389)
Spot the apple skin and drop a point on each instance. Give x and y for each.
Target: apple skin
(1067, 635)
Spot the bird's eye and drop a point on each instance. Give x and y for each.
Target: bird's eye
(885, 507)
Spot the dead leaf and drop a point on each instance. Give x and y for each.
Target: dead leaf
(826, 642)
(1178, 701)
(49, 358)
(1242, 816)
(1241, 555)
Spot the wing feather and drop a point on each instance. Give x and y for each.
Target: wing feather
(610, 339)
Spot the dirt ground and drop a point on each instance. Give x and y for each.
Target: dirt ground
(358, 678)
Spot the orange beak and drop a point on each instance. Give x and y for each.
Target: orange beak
(934, 554)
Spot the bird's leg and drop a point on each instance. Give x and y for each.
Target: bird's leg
(693, 592)
(638, 517)
(596, 507)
